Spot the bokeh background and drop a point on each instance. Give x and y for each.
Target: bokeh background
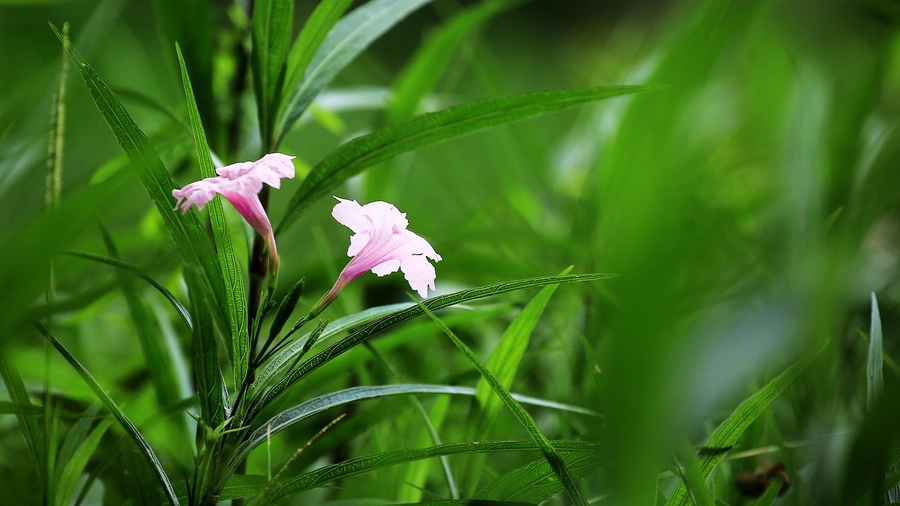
(748, 202)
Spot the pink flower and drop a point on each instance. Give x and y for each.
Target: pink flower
(381, 244)
(241, 183)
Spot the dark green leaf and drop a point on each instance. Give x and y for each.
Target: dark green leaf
(287, 306)
(536, 482)
(207, 374)
(272, 21)
(34, 439)
(363, 152)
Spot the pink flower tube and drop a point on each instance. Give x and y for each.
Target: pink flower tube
(241, 183)
(381, 243)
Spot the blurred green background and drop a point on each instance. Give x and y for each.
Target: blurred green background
(749, 204)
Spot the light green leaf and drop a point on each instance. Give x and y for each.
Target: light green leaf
(349, 37)
(536, 482)
(68, 476)
(363, 152)
(235, 293)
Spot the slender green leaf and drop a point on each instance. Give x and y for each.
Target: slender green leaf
(694, 480)
(272, 22)
(550, 454)
(349, 37)
(67, 479)
(34, 439)
(874, 374)
(126, 424)
(312, 407)
(287, 306)
(399, 317)
(208, 376)
(360, 465)
(311, 36)
(182, 311)
(158, 357)
(235, 293)
(17, 408)
(768, 498)
(195, 248)
(730, 430)
(536, 482)
(363, 152)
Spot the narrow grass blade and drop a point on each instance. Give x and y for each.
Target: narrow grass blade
(349, 37)
(311, 407)
(68, 477)
(363, 152)
(771, 493)
(874, 374)
(195, 248)
(235, 293)
(536, 482)
(34, 439)
(207, 374)
(272, 23)
(556, 462)
(285, 308)
(694, 480)
(360, 465)
(399, 317)
(126, 424)
(310, 39)
(730, 430)
(182, 311)
(159, 360)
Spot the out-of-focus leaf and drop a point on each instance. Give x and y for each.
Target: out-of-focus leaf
(126, 424)
(728, 432)
(399, 317)
(874, 375)
(235, 293)
(311, 36)
(195, 248)
(695, 481)
(349, 37)
(272, 21)
(363, 152)
(68, 475)
(550, 454)
(359, 465)
(34, 439)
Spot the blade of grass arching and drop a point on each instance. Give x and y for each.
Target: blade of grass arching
(130, 429)
(730, 430)
(536, 482)
(235, 293)
(68, 477)
(308, 41)
(349, 37)
(771, 493)
(158, 358)
(556, 462)
(208, 377)
(31, 431)
(360, 465)
(503, 363)
(790, 467)
(363, 152)
(193, 244)
(399, 317)
(272, 23)
(875, 363)
(314, 406)
(179, 308)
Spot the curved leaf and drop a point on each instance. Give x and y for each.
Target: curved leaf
(536, 482)
(360, 465)
(129, 427)
(349, 37)
(179, 308)
(313, 406)
(363, 152)
(399, 317)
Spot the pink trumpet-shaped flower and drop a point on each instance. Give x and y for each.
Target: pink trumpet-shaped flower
(381, 243)
(241, 183)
